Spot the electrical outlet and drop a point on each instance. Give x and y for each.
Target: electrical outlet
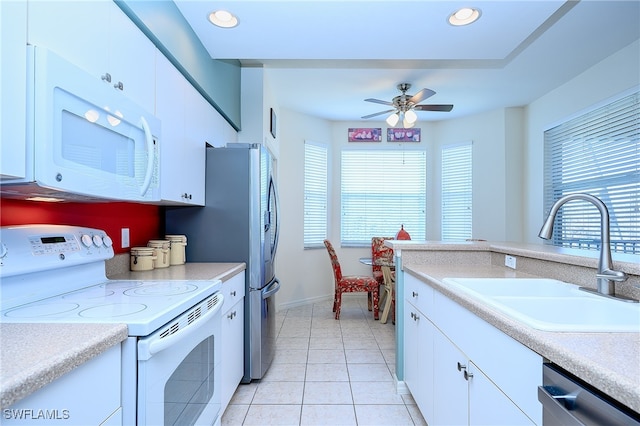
(510, 262)
(125, 237)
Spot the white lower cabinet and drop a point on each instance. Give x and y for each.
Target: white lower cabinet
(462, 370)
(232, 336)
(87, 395)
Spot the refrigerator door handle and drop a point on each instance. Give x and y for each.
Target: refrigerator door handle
(272, 289)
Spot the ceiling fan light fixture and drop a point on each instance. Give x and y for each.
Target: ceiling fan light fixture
(406, 124)
(464, 16)
(223, 19)
(410, 116)
(392, 120)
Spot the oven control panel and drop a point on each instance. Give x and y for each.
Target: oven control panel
(32, 248)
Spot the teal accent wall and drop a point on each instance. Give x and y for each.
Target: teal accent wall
(218, 81)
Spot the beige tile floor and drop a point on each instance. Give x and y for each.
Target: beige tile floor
(327, 372)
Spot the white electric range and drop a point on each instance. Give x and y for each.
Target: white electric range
(56, 274)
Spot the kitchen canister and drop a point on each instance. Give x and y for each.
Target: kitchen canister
(162, 252)
(141, 258)
(178, 244)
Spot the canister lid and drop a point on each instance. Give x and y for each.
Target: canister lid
(176, 238)
(159, 244)
(142, 251)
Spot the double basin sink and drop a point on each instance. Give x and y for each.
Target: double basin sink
(551, 305)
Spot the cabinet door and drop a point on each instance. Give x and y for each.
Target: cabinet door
(451, 396)
(99, 38)
(232, 351)
(13, 86)
(169, 109)
(71, 399)
(198, 132)
(411, 338)
(489, 406)
(131, 59)
(78, 31)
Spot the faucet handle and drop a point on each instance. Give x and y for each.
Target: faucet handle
(608, 274)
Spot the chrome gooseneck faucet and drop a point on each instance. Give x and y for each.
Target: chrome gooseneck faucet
(607, 277)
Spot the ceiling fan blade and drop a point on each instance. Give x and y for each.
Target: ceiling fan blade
(421, 96)
(443, 108)
(378, 101)
(378, 113)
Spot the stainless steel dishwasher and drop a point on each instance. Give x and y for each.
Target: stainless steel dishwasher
(566, 400)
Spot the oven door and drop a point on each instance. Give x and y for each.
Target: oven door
(179, 369)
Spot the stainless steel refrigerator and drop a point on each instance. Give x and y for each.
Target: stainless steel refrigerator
(239, 223)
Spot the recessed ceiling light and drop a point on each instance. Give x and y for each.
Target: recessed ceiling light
(464, 16)
(223, 19)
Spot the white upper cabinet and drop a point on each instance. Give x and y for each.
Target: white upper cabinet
(182, 153)
(98, 37)
(13, 80)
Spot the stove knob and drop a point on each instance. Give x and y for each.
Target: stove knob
(86, 240)
(108, 242)
(97, 240)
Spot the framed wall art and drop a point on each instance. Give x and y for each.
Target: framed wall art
(403, 135)
(365, 134)
(272, 126)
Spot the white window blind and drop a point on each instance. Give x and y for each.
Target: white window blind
(315, 194)
(456, 192)
(380, 191)
(597, 153)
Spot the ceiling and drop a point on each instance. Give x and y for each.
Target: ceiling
(324, 57)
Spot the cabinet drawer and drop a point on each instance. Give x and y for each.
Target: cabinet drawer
(233, 290)
(419, 294)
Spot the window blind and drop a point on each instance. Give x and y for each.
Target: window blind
(380, 191)
(315, 194)
(597, 153)
(456, 192)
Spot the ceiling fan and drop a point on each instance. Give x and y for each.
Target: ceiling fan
(404, 106)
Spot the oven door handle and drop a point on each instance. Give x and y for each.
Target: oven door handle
(155, 344)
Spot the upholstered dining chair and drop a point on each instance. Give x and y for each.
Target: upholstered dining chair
(351, 283)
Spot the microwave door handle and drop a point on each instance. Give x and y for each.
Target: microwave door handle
(151, 159)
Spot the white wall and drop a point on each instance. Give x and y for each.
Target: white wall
(305, 275)
(508, 166)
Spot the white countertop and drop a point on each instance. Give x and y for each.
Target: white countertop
(34, 355)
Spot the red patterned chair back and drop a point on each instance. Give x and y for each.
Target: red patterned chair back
(335, 264)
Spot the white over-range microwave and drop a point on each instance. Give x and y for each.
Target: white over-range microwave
(85, 139)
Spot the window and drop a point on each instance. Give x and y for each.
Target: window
(315, 194)
(380, 191)
(456, 192)
(597, 153)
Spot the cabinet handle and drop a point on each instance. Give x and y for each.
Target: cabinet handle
(106, 77)
(232, 315)
(466, 373)
(233, 293)
(119, 85)
(414, 294)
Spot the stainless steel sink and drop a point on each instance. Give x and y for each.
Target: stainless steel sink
(552, 305)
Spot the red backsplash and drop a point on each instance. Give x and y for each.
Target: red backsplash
(143, 220)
